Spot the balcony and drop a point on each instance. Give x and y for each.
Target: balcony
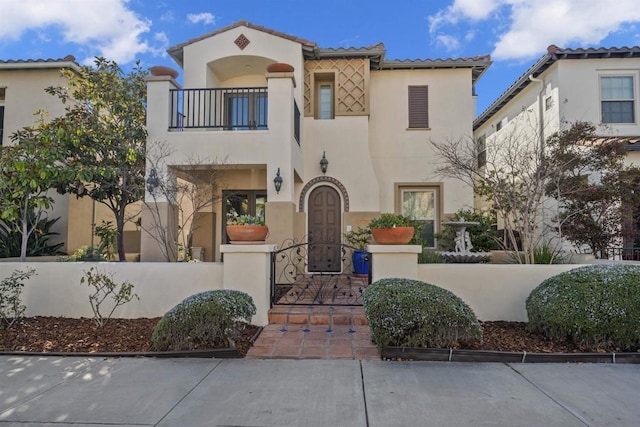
(242, 108)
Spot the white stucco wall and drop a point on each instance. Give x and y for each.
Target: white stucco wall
(56, 289)
(493, 291)
(402, 155)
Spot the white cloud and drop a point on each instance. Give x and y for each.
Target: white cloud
(449, 42)
(204, 17)
(102, 27)
(527, 27)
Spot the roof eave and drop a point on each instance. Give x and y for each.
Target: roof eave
(523, 81)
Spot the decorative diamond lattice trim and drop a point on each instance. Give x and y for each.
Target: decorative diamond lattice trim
(350, 84)
(242, 41)
(316, 180)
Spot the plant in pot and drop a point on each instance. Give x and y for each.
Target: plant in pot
(392, 229)
(359, 239)
(246, 229)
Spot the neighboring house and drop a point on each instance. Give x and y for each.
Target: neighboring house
(269, 104)
(22, 93)
(597, 85)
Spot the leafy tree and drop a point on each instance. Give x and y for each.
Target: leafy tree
(28, 169)
(104, 136)
(593, 186)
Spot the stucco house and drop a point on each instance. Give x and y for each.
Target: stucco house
(22, 93)
(256, 104)
(597, 85)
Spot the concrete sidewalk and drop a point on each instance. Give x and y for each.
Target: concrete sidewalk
(42, 391)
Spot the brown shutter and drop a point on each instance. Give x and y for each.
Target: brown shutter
(418, 106)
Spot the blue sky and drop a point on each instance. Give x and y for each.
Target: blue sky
(515, 32)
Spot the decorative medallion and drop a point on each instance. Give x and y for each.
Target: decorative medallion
(242, 41)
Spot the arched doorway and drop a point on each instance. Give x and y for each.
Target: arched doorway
(324, 225)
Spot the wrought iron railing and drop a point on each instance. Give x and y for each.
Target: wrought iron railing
(294, 280)
(242, 108)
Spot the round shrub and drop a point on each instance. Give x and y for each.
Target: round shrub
(410, 313)
(596, 306)
(208, 319)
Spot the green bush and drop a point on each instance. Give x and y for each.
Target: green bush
(85, 253)
(410, 313)
(11, 307)
(205, 320)
(428, 256)
(38, 243)
(104, 287)
(596, 306)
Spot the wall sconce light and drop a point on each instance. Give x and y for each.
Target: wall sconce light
(277, 181)
(324, 163)
(152, 181)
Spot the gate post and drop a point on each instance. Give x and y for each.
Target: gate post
(394, 261)
(247, 268)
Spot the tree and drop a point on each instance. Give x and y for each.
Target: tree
(105, 136)
(191, 188)
(593, 186)
(28, 169)
(512, 180)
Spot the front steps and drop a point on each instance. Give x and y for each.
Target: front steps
(318, 315)
(315, 332)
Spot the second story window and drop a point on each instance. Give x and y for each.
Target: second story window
(325, 83)
(617, 98)
(418, 107)
(247, 110)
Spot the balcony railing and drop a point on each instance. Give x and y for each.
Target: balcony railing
(220, 108)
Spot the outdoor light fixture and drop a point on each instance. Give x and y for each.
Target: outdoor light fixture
(152, 181)
(324, 163)
(277, 181)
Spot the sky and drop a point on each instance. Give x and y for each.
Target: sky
(514, 32)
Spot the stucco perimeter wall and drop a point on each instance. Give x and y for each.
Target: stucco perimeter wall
(494, 292)
(56, 290)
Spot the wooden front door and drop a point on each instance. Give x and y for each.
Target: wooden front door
(325, 228)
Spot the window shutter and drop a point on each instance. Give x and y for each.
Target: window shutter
(418, 106)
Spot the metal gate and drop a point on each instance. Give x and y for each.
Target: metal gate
(294, 282)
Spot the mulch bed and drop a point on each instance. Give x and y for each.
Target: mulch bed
(59, 334)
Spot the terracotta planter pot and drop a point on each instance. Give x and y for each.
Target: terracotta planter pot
(279, 67)
(161, 70)
(392, 236)
(247, 233)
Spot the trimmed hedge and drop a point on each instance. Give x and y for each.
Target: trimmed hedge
(597, 307)
(210, 319)
(410, 313)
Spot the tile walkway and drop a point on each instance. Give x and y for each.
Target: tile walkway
(315, 332)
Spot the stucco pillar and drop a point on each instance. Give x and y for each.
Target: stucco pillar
(247, 268)
(394, 261)
(164, 216)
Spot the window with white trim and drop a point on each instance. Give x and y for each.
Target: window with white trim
(617, 99)
(422, 204)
